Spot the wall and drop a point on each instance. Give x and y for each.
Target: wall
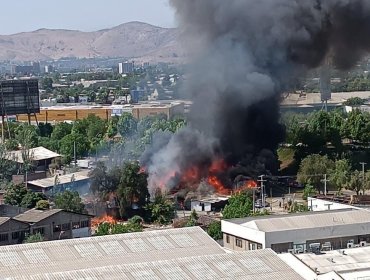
(53, 226)
(68, 114)
(81, 232)
(10, 210)
(300, 236)
(12, 226)
(244, 232)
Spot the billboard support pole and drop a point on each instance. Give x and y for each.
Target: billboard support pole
(2, 130)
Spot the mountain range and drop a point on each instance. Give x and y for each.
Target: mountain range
(129, 40)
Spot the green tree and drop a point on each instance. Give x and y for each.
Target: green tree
(7, 166)
(31, 198)
(61, 130)
(69, 201)
(193, 219)
(14, 194)
(214, 230)
(356, 182)
(354, 101)
(118, 228)
(312, 170)
(68, 142)
(161, 210)
(47, 83)
(127, 125)
(340, 175)
(42, 205)
(104, 181)
(34, 238)
(357, 126)
(308, 191)
(133, 187)
(239, 205)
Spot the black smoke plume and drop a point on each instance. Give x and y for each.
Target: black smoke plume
(245, 54)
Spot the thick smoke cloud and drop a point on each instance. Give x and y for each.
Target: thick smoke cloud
(246, 53)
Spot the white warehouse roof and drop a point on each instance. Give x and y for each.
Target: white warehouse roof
(186, 253)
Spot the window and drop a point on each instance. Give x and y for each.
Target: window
(252, 246)
(16, 235)
(239, 242)
(75, 225)
(40, 230)
(3, 237)
(56, 228)
(66, 226)
(227, 238)
(85, 223)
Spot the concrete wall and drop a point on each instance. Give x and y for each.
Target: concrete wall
(11, 226)
(10, 210)
(60, 225)
(244, 232)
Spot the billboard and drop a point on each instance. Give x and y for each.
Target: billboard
(19, 97)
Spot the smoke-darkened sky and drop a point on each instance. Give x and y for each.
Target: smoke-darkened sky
(85, 15)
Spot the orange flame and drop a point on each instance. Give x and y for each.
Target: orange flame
(250, 184)
(219, 187)
(95, 222)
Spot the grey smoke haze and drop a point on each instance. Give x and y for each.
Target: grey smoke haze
(246, 53)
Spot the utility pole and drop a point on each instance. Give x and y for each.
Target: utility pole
(363, 175)
(254, 198)
(325, 184)
(74, 153)
(262, 189)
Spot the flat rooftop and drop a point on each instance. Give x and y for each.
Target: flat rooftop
(306, 220)
(186, 253)
(353, 261)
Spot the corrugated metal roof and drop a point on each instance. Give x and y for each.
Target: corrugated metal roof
(305, 220)
(36, 154)
(88, 253)
(35, 216)
(62, 179)
(356, 259)
(3, 220)
(187, 253)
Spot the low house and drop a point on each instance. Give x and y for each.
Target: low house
(12, 231)
(56, 224)
(40, 157)
(298, 233)
(78, 181)
(208, 204)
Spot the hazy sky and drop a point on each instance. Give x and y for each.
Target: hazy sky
(86, 15)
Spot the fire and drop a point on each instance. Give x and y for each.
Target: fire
(250, 184)
(192, 176)
(219, 187)
(103, 219)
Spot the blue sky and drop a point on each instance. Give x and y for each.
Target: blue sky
(86, 15)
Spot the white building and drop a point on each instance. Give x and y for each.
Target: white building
(299, 233)
(126, 67)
